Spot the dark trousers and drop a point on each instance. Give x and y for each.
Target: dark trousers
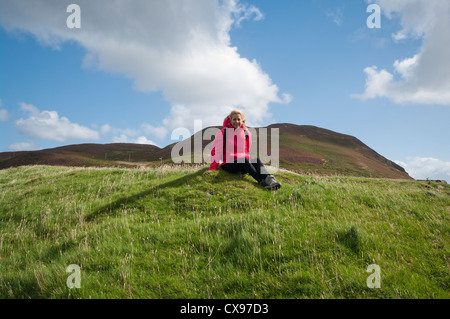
(256, 170)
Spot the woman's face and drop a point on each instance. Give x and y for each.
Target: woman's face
(236, 121)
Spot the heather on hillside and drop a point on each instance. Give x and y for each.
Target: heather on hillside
(301, 148)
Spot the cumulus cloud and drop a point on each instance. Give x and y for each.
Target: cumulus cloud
(105, 129)
(131, 135)
(425, 77)
(426, 167)
(48, 125)
(108, 129)
(158, 131)
(4, 114)
(182, 49)
(139, 140)
(23, 146)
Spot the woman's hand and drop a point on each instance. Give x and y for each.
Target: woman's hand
(206, 172)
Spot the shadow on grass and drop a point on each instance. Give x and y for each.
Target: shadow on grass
(350, 238)
(24, 286)
(221, 177)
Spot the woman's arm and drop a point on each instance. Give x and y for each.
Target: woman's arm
(216, 151)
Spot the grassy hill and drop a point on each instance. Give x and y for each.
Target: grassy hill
(172, 233)
(303, 149)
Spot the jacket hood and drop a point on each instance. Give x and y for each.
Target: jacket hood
(227, 123)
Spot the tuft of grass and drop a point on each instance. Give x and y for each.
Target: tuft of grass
(171, 233)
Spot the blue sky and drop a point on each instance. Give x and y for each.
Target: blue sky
(137, 73)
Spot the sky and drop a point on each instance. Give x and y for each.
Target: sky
(136, 70)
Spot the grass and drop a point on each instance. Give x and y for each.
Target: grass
(165, 233)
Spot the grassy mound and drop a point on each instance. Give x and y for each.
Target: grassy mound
(180, 234)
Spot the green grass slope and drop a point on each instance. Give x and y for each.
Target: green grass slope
(180, 234)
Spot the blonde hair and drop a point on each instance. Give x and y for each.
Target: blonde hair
(239, 112)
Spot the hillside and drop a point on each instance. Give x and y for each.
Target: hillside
(303, 149)
(81, 155)
(324, 152)
(139, 233)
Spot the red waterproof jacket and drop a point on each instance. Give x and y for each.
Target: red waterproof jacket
(230, 144)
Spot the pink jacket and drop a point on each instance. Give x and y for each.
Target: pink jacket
(238, 143)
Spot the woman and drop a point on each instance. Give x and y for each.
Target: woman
(232, 144)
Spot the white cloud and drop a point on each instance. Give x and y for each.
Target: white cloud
(158, 131)
(425, 77)
(129, 135)
(243, 12)
(4, 114)
(139, 140)
(108, 129)
(426, 167)
(105, 129)
(48, 125)
(182, 49)
(337, 16)
(23, 146)
(376, 83)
